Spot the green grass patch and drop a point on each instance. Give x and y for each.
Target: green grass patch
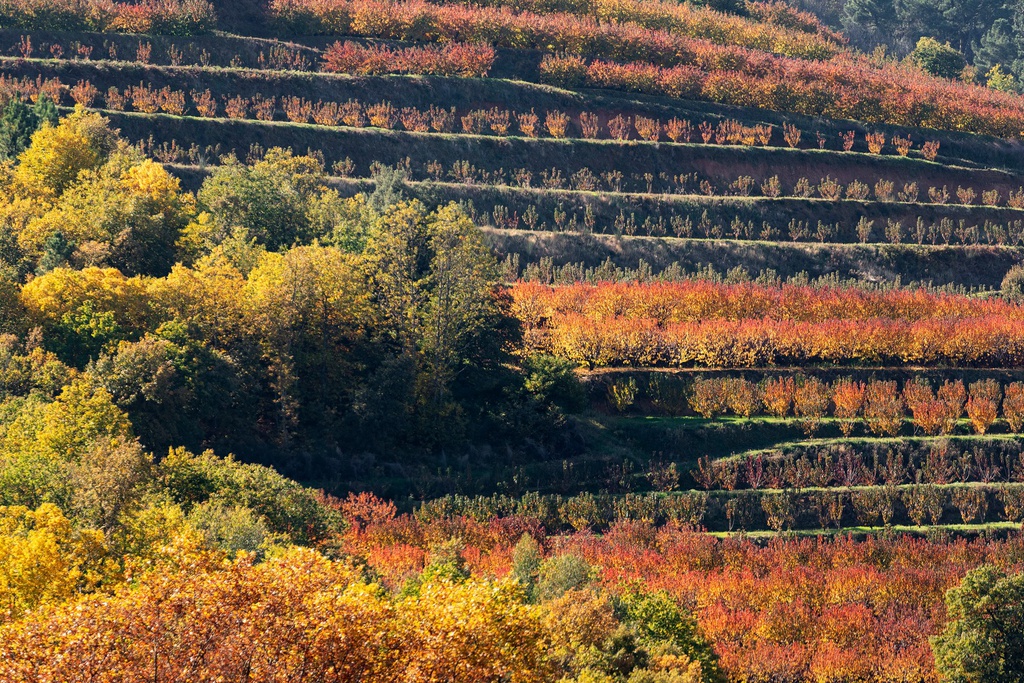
(854, 441)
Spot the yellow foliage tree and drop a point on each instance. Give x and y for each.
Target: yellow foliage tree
(578, 621)
(50, 297)
(318, 290)
(185, 295)
(44, 559)
(77, 452)
(306, 307)
(68, 428)
(59, 153)
(130, 212)
(473, 631)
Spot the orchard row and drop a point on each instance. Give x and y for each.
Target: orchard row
(175, 17)
(714, 325)
(700, 300)
(678, 35)
(869, 463)
(880, 404)
(494, 121)
(625, 56)
(811, 509)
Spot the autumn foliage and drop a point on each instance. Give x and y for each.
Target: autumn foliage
(453, 59)
(701, 323)
(611, 28)
(371, 340)
(175, 17)
(298, 614)
(816, 80)
(789, 609)
(840, 88)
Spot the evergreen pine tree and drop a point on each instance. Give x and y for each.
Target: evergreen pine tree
(45, 111)
(17, 123)
(56, 253)
(388, 188)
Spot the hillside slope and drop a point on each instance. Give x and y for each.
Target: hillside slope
(592, 341)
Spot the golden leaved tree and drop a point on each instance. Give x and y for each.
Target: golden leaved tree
(297, 615)
(44, 559)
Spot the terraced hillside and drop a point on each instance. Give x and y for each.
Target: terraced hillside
(591, 141)
(688, 173)
(594, 141)
(592, 341)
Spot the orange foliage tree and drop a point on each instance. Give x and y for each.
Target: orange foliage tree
(297, 615)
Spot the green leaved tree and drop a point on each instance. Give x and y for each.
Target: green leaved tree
(984, 638)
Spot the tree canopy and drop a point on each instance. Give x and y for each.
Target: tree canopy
(984, 638)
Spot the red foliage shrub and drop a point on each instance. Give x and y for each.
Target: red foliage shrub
(453, 59)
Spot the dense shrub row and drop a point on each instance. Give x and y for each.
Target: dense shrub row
(697, 300)
(777, 510)
(867, 464)
(452, 59)
(174, 17)
(705, 324)
(841, 88)
(784, 14)
(978, 342)
(771, 27)
(879, 404)
(645, 30)
(626, 56)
